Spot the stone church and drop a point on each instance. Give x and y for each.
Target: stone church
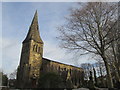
(33, 64)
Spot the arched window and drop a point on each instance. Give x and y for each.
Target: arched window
(70, 71)
(72, 80)
(51, 67)
(36, 49)
(33, 47)
(79, 80)
(64, 69)
(75, 81)
(39, 50)
(59, 68)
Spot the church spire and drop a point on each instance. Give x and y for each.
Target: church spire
(33, 33)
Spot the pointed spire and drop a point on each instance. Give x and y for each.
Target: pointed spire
(33, 33)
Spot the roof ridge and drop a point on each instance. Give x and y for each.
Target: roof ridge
(63, 63)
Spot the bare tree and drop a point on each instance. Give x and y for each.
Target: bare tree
(87, 68)
(87, 31)
(101, 72)
(13, 74)
(113, 53)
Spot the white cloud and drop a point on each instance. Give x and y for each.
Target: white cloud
(55, 53)
(10, 54)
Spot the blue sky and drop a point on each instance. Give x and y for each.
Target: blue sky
(16, 19)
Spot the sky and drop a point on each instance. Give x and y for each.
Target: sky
(16, 19)
(60, 0)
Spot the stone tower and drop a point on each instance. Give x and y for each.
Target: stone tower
(31, 57)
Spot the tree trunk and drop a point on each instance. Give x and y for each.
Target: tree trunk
(116, 73)
(101, 74)
(109, 77)
(115, 63)
(91, 84)
(95, 77)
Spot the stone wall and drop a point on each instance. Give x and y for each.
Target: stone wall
(67, 72)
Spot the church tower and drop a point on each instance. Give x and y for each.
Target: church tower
(31, 56)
